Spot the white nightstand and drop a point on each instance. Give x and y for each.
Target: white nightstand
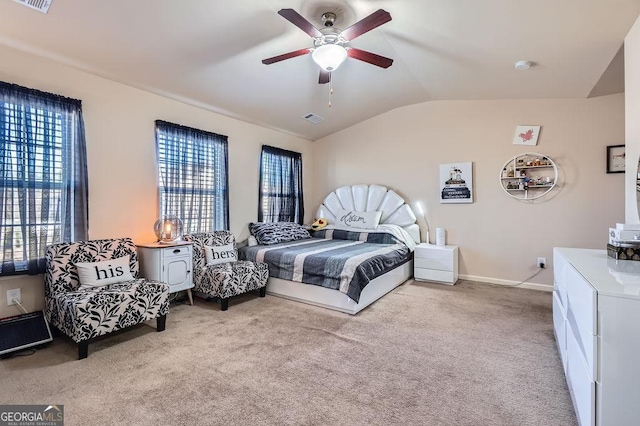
(436, 263)
(168, 263)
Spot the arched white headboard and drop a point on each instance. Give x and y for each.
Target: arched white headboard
(367, 198)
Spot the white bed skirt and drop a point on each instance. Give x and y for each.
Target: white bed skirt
(334, 299)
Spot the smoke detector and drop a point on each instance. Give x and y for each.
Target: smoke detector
(523, 65)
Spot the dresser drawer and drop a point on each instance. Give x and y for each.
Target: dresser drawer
(581, 301)
(433, 275)
(587, 344)
(170, 252)
(439, 263)
(581, 384)
(562, 293)
(560, 268)
(560, 329)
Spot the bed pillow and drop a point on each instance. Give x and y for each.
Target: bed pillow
(277, 232)
(376, 237)
(350, 219)
(216, 255)
(98, 274)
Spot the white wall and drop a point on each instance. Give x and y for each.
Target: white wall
(119, 122)
(632, 122)
(499, 237)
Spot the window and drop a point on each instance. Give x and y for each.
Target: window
(43, 176)
(280, 186)
(193, 177)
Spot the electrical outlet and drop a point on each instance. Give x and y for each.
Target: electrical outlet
(13, 295)
(542, 262)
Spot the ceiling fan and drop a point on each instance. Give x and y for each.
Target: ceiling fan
(330, 44)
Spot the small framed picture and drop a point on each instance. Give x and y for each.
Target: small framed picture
(615, 159)
(526, 135)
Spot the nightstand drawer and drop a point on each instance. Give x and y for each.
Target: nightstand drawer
(170, 252)
(433, 275)
(441, 263)
(443, 253)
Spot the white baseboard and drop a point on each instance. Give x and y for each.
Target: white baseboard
(532, 286)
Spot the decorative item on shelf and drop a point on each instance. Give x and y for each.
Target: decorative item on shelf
(168, 229)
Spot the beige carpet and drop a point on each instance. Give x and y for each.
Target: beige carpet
(425, 354)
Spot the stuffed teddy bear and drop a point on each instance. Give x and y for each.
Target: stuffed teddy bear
(319, 224)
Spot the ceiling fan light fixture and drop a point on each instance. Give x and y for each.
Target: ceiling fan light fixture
(329, 56)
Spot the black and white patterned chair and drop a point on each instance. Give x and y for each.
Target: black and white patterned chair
(229, 279)
(83, 314)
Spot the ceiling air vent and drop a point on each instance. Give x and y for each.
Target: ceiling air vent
(40, 5)
(314, 118)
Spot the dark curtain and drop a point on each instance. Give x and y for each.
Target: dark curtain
(43, 172)
(280, 192)
(193, 176)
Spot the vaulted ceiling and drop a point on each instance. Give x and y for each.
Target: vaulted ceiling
(208, 52)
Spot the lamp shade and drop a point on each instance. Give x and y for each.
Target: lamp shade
(329, 56)
(168, 228)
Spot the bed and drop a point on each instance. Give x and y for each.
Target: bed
(346, 266)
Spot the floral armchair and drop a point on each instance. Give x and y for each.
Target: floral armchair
(84, 313)
(227, 279)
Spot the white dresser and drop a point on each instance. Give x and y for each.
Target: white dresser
(596, 319)
(168, 263)
(435, 263)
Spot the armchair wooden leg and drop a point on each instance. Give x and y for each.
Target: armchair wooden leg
(83, 349)
(161, 323)
(263, 291)
(225, 303)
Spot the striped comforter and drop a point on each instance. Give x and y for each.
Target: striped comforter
(344, 265)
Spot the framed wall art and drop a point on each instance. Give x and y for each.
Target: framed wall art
(526, 135)
(456, 183)
(615, 158)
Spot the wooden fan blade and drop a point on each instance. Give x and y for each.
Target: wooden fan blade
(296, 19)
(372, 21)
(372, 58)
(325, 77)
(284, 56)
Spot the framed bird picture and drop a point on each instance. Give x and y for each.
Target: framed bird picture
(526, 135)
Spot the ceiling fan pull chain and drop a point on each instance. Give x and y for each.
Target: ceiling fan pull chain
(330, 91)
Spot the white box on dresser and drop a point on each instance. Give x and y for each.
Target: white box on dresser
(435, 263)
(596, 318)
